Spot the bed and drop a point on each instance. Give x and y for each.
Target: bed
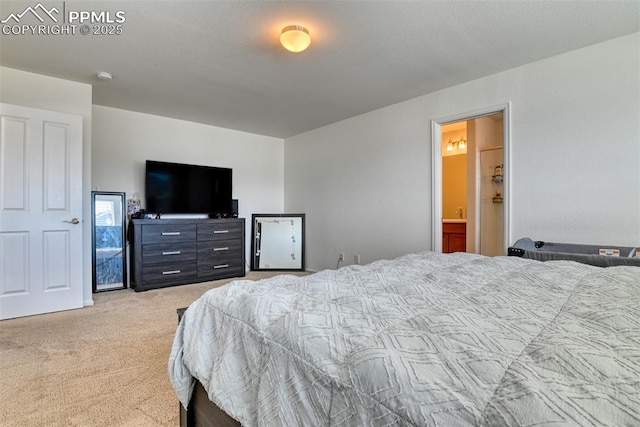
(425, 339)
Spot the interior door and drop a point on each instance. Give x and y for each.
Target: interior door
(40, 211)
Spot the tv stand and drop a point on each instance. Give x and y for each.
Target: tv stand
(170, 252)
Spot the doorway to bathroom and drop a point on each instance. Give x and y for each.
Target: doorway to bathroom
(470, 183)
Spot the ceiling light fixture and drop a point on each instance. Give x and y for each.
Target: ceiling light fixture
(103, 75)
(295, 38)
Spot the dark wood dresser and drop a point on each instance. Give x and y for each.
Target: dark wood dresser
(169, 252)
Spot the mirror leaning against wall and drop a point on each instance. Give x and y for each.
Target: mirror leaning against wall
(277, 242)
(108, 223)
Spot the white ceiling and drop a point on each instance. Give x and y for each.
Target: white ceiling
(220, 63)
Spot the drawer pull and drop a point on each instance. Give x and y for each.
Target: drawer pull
(164, 273)
(221, 249)
(215, 267)
(220, 231)
(171, 253)
(171, 233)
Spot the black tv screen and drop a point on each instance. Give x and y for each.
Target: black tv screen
(174, 188)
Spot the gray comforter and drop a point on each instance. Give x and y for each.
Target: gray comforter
(426, 339)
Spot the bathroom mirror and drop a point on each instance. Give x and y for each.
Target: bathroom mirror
(277, 242)
(108, 241)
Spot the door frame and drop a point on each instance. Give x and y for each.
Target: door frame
(436, 169)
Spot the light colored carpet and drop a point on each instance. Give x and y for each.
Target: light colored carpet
(104, 365)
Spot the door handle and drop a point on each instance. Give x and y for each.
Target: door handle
(74, 221)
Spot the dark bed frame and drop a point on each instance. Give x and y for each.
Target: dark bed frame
(202, 412)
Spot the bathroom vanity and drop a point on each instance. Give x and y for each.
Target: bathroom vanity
(454, 235)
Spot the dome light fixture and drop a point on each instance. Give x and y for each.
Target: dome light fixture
(295, 38)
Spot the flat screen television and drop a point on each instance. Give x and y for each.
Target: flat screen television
(175, 188)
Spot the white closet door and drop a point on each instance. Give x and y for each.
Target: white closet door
(40, 211)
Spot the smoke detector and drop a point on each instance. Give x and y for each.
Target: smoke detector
(103, 75)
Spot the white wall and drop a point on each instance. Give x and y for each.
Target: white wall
(49, 93)
(124, 140)
(365, 182)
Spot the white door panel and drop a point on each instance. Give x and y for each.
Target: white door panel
(40, 195)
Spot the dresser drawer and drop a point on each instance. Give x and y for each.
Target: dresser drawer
(168, 252)
(167, 233)
(222, 230)
(178, 272)
(219, 249)
(223, 267)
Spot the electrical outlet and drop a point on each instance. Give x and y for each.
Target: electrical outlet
(356, 259)
(341, 256)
